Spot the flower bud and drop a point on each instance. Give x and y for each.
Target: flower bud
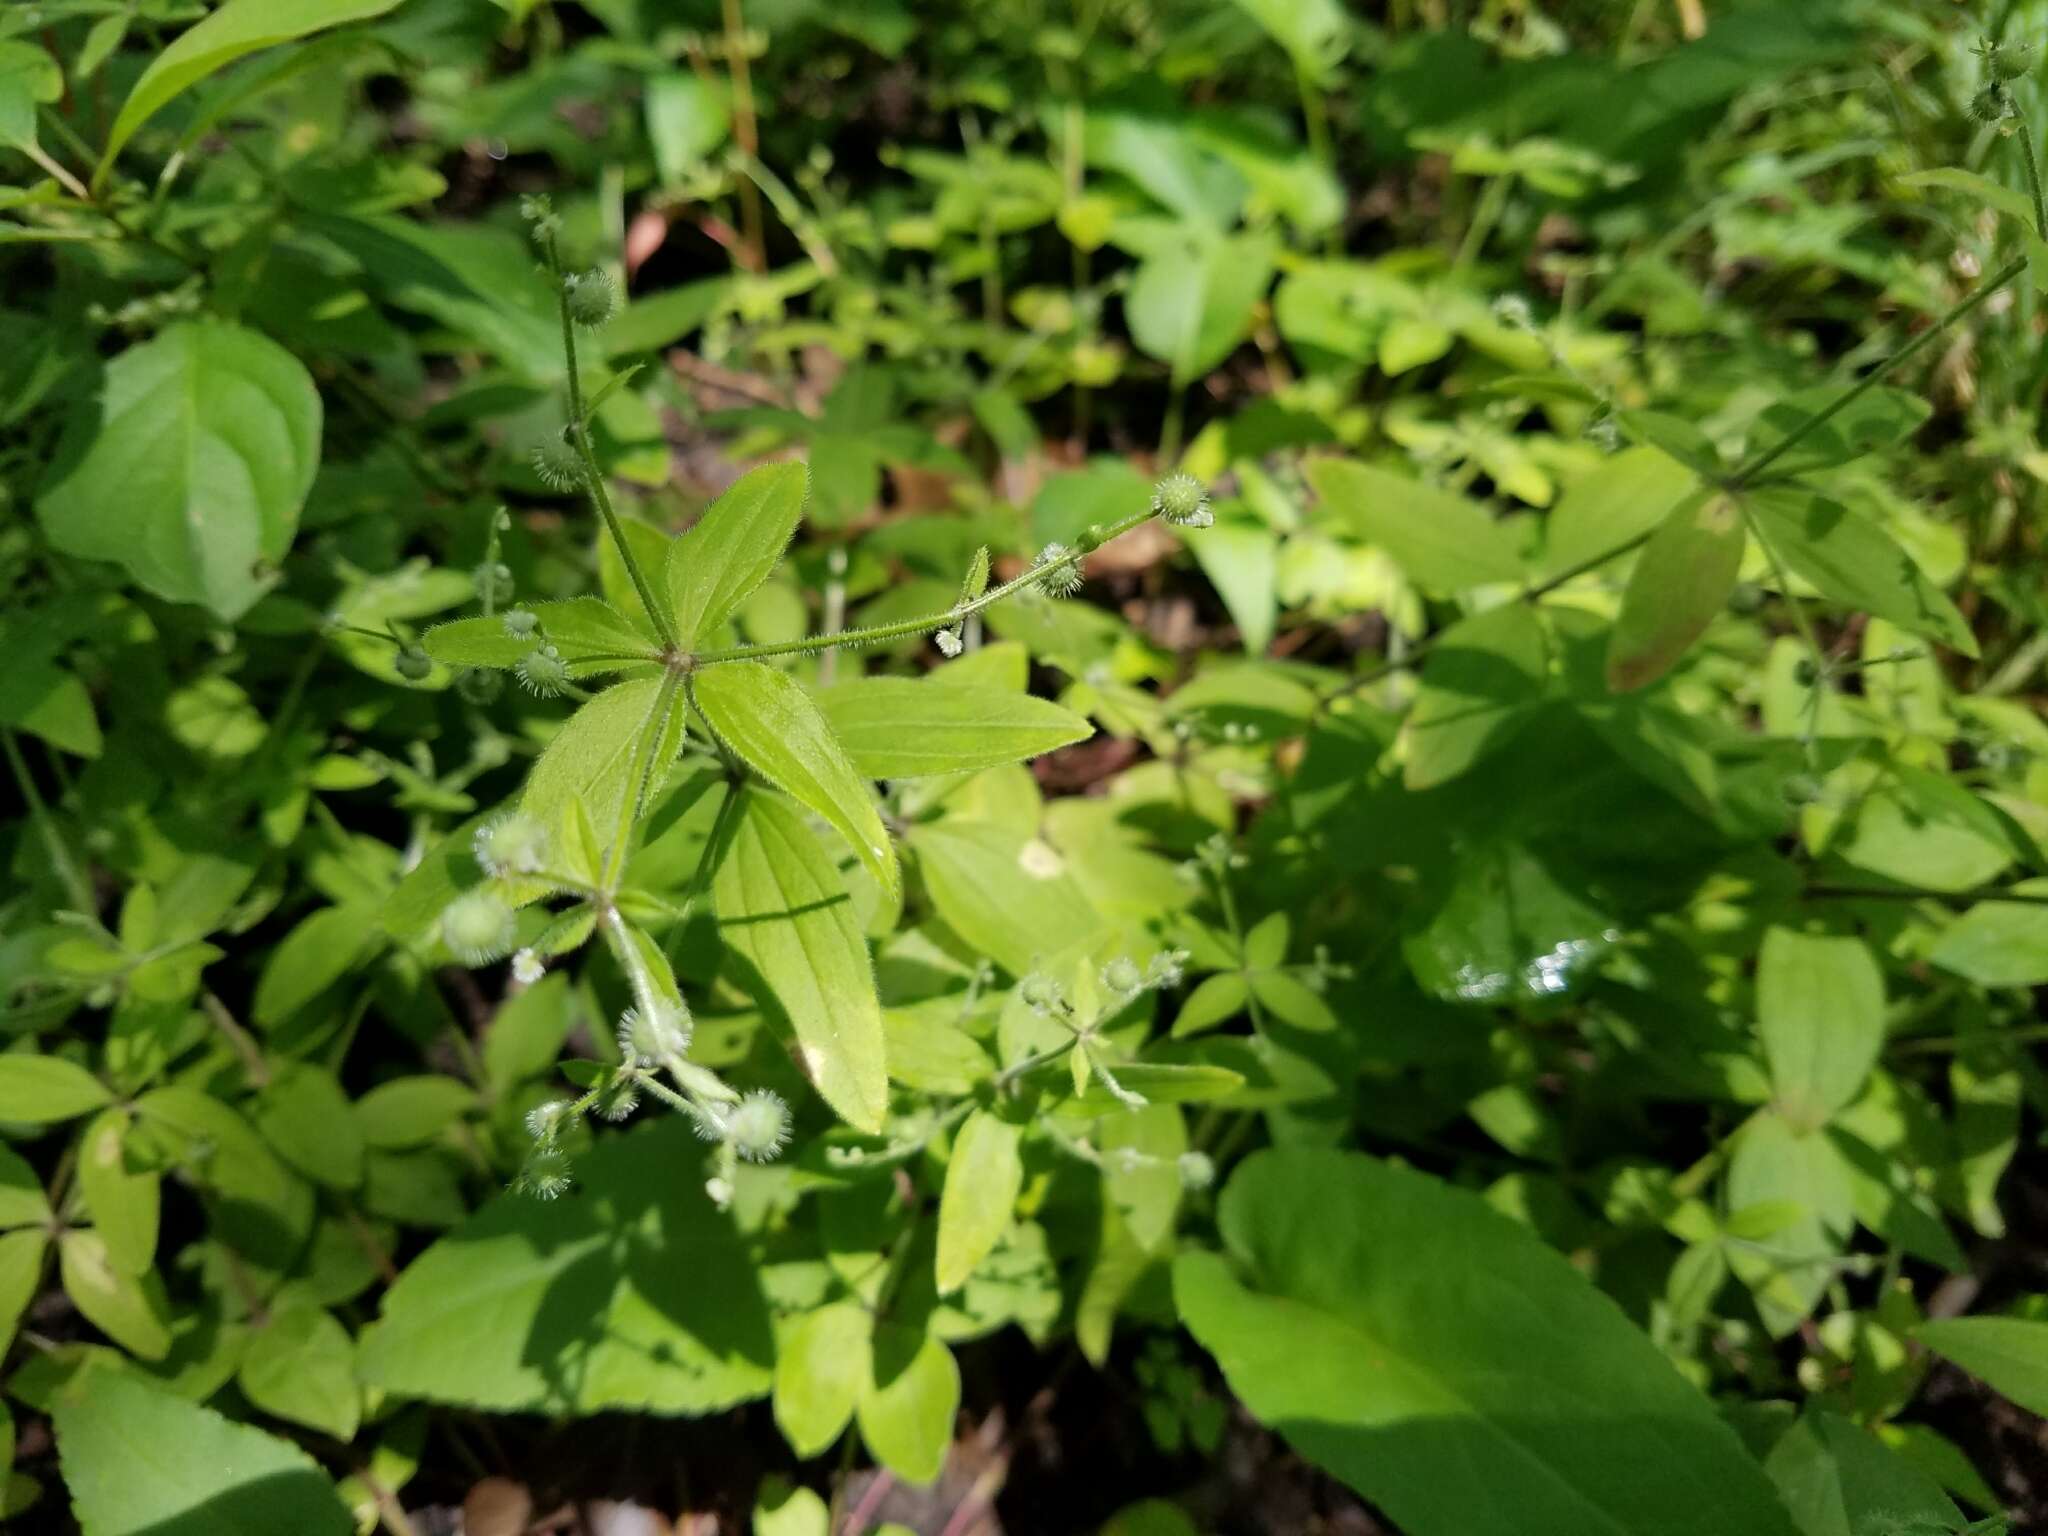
(1801, 789)
(558, 465)
(1057, 579)
(477, 927)
(649, 1039)
(527, 969)
(543, 672)
(412, 664)
(593, 297)
(1196, 1170)
(1183, 501)
(479, 685)
(1122, 976)
(512, 844)
(948, 642)
(758, 1126)
(520, 623)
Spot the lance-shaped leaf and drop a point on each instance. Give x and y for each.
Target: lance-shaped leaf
(1443, 543)
(1820, 1010)
(901, 727)
(236, 28)
(713, 567)
(597, 755)
(765, 717)
(1853, 561)
(592, 636)
(1453, 1368)
(983, 1178)
(1681, 581)
(783, 910)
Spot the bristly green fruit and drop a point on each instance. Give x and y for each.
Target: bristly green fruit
(478, 927)
(593, 297)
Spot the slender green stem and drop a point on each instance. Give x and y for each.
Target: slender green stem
(2034, 178)
(1923, 893)
(73, 876)
(593, 477)
(943, 619)
(1756, 464)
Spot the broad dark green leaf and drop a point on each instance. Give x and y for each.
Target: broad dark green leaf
(2009, 1353)
(732, 549)
(823, 1363)
(900, 727)
(311, 958)
(304, 1114)
(260, 1208)
(1820, 1010)
(1681, 581)
(1626, 497)
(1443, 543)
(1851, 560)
(1839, 1479)
(143, 1462)
(204, 446)
(983, 1177)
(238, 27)
(1481, 684)
(906, 1415)
(630, 1292)
(783, 909)
(777, 729)
(1402, 1333)
(1875, 419)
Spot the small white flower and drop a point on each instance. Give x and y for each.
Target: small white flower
(526, 968)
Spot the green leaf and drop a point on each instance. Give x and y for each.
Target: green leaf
(593, 755)
(124, 1206)
(1158, 1082)
(1853, 561)
(1241, 558)
(1006, 893)
(239, 27)
(687, 118)
(28, 77)
(1314, 32)
(1626, 497)
(631, 1292)
(142, 1462)
(901, 728)
(823, 1363)
(2009, 1353)
(1191, 304)
(21, 1273)
(22, 1201)
(259, 1207)
(983, 1178)
(1820, 1011)
(42, 1090)
(1443, 543)
(131, 1310)
(765, 717)
(1772, 1163)
(739, 540)
(1681, 581)
(311, 958)
(1999, 943)
(1838, 1479)
(906, 1415)
(1481, 684)
(205, 444)
(303, 1113)
(301, 1365)
(591, 634)
(411, 1111)
(1875, 419)
(1402, 1334)
(783, 909)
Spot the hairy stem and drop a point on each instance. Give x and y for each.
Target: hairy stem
(593, 477)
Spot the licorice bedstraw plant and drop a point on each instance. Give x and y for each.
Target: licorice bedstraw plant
(682, 684)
